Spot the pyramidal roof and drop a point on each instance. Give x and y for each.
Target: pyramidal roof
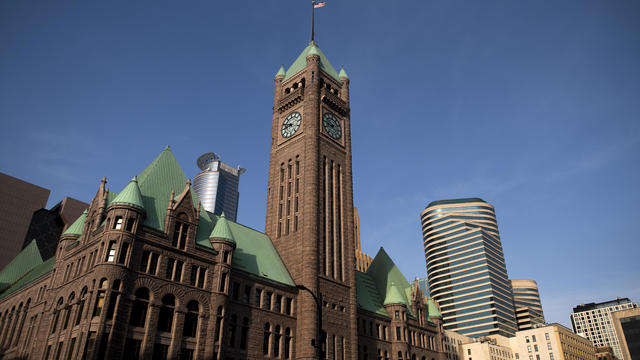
(343, 74)
(432, 309)
(394, 296)
(301, 62)
(386, 276)
(222, 230)
(130, 195)
(78, 225)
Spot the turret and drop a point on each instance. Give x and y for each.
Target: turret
(344, 91)
(222, 240)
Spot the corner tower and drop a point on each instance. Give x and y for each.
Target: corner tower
(310, 198)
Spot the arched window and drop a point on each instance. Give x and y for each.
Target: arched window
(67, 313)
(287, 343)
(413, 357)
(399, 355)
(140, 307)
(165, 320)
(267, 339)
(83, 298)
(114, 298)
(102, 292)
(56, 315)
(191, 319)
(276, 341)
(244, 333)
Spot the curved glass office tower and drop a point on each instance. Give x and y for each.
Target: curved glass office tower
(466, 269)
(526, 300)
(217, 186)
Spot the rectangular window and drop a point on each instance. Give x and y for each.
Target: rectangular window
(171, 263)
(550, 356)
(258, 297)
(123, 253)
(548, 346)
(223, 282)
(132, 348)
(546, 336)
(267, 300)
(111, 252)
(130, 222)
(160, 351)
(235, 293)
(289, 307)
(278, 304)
(202, 272)
(399, 334)
(533, 337)
(117, 223)
(535, 348)
(247, 294)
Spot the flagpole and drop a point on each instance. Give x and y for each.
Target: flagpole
(313, 12)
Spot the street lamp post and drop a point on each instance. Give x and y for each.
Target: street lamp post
(318, 300)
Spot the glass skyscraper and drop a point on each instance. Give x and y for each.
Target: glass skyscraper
(466, 271)
(217, 186)
(526, 300)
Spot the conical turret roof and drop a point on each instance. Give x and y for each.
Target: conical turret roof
(343, 74)
(301, 62)
(130, 195)
(281, 71)
(222, 230)
(78, 225)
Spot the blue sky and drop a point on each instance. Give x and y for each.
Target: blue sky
(533, 106)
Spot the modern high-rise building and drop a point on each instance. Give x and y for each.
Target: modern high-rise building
(526, 300)
(363, 260)
(594, 322)
(217, 186)
(19, 200)
(627, 325)
(466, 268)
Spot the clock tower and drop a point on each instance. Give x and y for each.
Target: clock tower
(310, 199)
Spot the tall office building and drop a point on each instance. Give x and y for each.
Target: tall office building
(627, 325)
(466, 269)
(217, 186)
(19, 200)
(594, 322)
(526, 300)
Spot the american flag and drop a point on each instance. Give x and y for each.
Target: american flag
(319, 4)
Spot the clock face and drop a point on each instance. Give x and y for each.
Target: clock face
(331, 125)
(291, 124)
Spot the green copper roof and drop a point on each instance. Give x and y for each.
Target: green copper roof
(343, 74)
(394, 296)
(221, 230)
(256, 254)
(130, 195)
(367, 295)
(385, 273)
(77, 226)
(281, 71)
(432, 309)
(26, 260)
(156, 183)
(301, 62)
(35, 273)
(455, 201)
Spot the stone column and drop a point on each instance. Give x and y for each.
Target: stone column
(150, 331)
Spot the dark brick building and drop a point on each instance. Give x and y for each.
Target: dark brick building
(147, 273)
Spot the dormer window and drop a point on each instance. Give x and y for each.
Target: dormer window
(117, 224)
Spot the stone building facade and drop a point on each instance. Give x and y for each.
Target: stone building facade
(148, 273)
